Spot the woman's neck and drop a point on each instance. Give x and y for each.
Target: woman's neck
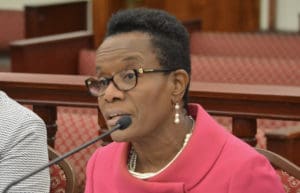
(153, 155)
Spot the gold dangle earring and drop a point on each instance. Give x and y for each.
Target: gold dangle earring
(177, 120)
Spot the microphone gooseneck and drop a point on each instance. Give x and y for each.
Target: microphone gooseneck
(121, 124)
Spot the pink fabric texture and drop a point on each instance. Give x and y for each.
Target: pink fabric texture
(246, 45)
(291, 184)
(75, 127)
(58, 179)
(213, 161)
(246, 70)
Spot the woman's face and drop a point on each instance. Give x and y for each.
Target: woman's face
(149, 102)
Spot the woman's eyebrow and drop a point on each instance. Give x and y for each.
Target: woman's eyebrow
(131, 61)
(136, 59)
(132, 57)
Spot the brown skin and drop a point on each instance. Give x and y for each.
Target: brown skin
(153, 134)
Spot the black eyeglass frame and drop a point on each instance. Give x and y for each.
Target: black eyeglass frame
(137, 72)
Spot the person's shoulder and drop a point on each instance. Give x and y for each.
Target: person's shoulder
(249, 165)
(255, 170)
(12, 109)
(15, 116)
(240, 152)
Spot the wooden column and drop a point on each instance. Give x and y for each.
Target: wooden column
(299, 21)
(285, 142)
(49, 115)
(245, 129)
(102, 11)
(272, 15)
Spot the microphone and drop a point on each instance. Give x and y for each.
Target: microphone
(121, 124)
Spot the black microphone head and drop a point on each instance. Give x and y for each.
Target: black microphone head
(124, 122)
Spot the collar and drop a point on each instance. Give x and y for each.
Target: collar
(200, 154)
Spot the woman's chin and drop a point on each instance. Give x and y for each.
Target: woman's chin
(119, 136)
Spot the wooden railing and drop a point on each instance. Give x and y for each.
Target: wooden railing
(244, 103)
(45, 92)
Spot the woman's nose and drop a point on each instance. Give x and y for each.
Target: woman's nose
(112, 93)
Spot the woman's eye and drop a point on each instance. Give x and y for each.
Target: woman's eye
(128, 75)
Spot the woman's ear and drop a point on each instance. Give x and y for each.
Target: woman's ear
(180, 80)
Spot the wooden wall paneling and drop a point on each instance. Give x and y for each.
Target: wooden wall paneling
(181, 9)
(299, 22)
(156, 4)
(192, 25)
(102, 11)
(47, 19)
(216, 15)
(272, 15)
(56, 54)
(249, 15)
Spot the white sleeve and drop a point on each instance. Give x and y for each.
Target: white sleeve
(24, 149)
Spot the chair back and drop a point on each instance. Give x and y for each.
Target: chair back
(62, 176)
(288, 172)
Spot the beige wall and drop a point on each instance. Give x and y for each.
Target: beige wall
(286, 15)
(264, 8)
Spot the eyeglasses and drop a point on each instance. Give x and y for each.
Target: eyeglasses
(124, 80)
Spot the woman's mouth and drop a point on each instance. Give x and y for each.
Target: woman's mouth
(113, 118)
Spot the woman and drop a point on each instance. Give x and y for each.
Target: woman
(143, 71)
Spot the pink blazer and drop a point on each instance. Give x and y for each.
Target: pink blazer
(214, 161)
